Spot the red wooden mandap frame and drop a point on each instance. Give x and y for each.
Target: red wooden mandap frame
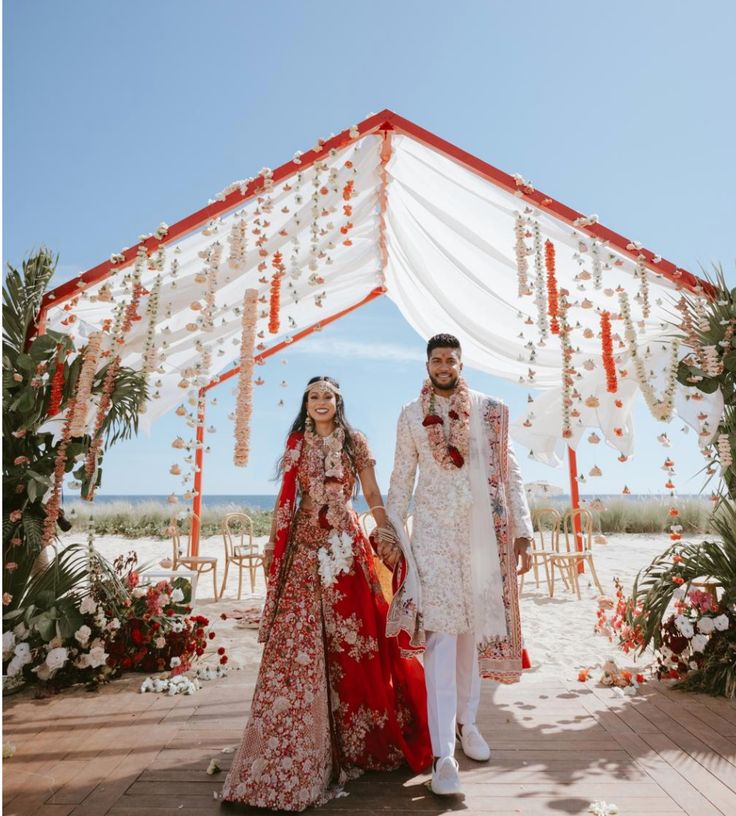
(384, 123)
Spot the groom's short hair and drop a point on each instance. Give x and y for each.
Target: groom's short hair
(443, 341)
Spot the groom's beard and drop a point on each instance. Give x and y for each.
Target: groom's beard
(450, 385)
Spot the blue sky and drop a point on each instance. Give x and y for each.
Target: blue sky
(119, 116)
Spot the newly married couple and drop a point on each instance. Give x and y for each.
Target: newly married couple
(340, 689)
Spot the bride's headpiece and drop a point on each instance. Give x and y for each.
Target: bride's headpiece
(325, 383)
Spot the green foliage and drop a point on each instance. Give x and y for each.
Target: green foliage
(31, 435)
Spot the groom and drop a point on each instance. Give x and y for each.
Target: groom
(457, 592)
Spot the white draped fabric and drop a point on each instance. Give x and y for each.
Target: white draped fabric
(451, 265)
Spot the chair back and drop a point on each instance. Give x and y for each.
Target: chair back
(237, 533)
(586, 528)
(181, 547)
(547, 521)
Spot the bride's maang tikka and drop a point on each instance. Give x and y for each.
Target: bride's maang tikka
(323, 383)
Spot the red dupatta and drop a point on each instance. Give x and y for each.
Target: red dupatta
(286, 504)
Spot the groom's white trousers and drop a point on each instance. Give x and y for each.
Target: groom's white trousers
(453, 687)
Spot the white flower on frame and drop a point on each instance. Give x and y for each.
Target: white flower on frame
(706, 625)
(82, 635)
(721, 623)
(175, 661)
(699, 642)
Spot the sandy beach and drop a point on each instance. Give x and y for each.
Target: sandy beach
(558, 631)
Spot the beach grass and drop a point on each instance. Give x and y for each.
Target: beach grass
(149, 519)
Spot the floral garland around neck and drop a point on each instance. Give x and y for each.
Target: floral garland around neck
(451, 451)
(326, 487)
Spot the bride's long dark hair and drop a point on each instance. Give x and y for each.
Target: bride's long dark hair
(299, 424)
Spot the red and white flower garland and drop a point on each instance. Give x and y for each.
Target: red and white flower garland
(91, 355)
(451, 451)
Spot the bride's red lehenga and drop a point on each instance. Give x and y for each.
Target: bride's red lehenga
(334, 696)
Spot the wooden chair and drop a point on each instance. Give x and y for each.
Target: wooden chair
(547, 521)
(241, 550)
(201, 564)
(567, 561)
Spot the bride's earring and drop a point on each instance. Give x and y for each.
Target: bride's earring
(308, 423)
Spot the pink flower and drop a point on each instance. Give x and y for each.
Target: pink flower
(16, 516)
(7, 598)
(11, 566)
(21, 460)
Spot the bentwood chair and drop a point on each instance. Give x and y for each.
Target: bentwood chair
(547, 521)
(182, 556)
(567, 561)
(241, 550)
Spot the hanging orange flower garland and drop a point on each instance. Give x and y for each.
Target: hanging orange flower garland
(244, 402)
(552, 295)
(57, 384)
(91, 354)
(54, 502)
(274, 322)
(609, 364)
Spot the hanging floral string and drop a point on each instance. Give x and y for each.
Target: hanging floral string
(641, 273)
(149, 347)
(57, 384)
(661, 409)
(238, 240)
(212, 268)
(609, 364)
(552, 295)
(54, 502)
(597, 265)
(244, 401)
(131, 310)
(274, 321)
(91, 356)
(315, 211)
(522, 264)
(568, 372)
(540, 283)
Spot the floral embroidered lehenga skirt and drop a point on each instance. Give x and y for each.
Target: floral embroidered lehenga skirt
(334, 697)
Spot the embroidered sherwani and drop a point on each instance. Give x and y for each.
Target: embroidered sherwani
(444, 537)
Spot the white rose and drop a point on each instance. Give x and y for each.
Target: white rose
(8, 644)
(113, 625)
(160, 642)
(177, 596)
(175, 661)
(56, 658)
(699, 642)
(23, 652)
(97, 657)
(706, 625)
(680, 621)
(88, 605)
(82, 635)
(14, 667)
(139, 592)
(687, 630)
(721, 623)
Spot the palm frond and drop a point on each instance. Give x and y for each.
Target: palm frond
(22, 296)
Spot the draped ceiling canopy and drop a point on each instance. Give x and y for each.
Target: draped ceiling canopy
(526, 283)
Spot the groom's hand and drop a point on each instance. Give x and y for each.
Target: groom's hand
(522, 546)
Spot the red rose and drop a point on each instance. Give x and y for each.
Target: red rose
(432, 419)
(211, 636)
(126, 663)
(169, 611)
(223, 616)
(200, 652)
(455, 456)
(453, 414)
(223, 660)
(332, 480)
(136, 636)
(221, 650)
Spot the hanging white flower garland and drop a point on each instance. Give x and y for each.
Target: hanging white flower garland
(244, 401)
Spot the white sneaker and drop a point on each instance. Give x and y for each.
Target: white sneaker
(446, 777)
(473, 744)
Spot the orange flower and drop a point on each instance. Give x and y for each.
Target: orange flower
(669, 484)
(677, 559)
(674, 511)
(641, 679)
(583, 675)
(678, 579)
(675, 536)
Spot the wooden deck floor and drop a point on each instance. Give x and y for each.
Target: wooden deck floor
(555, 750)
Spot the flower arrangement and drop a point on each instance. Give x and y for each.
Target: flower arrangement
(244, 401)
(453, 451)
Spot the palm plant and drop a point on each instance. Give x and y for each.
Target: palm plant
(40, 375)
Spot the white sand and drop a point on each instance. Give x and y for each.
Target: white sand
(558, 631)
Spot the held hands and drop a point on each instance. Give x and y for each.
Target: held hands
(523, 556)
(387, 544)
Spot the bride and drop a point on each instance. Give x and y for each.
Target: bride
(334, 696)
